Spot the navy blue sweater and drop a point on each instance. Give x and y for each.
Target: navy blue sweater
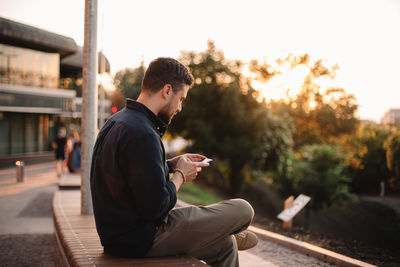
(129, 179)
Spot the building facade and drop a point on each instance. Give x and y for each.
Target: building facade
(40, 90)
(392, 117)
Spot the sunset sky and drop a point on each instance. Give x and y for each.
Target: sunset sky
(361, 36)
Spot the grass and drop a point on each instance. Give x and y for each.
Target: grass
(195, 194)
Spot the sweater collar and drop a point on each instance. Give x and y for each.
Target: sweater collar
(158, 124)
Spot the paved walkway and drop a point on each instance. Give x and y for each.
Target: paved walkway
(26, 217)
(391, 201)
(26, 206)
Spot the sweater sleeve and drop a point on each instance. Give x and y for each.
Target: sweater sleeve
(169, 168)
(153, 195)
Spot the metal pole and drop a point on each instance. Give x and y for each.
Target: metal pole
(89, 102)
(102, 70)
(101, 89)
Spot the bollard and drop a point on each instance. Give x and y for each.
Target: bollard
(287, 204)
(20, 171)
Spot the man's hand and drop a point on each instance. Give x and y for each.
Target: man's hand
(190, 168)
(192, 157)
(189, 164)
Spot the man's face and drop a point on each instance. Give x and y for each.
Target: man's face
(174, 106)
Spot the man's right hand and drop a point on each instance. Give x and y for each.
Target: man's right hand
(190, 168)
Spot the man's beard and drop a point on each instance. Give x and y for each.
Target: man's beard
(165, 114)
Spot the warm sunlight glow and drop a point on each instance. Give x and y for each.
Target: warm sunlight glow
(313, 104)
(106, 80)
(284, 85)
(360, 36)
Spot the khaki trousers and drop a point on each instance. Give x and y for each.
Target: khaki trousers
(205, 232)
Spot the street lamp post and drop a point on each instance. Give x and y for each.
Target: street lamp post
(101, 90)
(89, 102)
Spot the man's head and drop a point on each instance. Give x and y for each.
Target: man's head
(170, 81)
(165, 70)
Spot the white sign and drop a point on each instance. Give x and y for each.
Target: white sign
(299, 203)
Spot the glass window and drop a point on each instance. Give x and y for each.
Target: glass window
(31, 133)
(40, 132)
(17, 133)
(24, 100)
(24, 66)
(43, 133)
(4, 133)
(51, 130)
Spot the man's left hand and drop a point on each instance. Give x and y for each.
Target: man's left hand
(189, 156)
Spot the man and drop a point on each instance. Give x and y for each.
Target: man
(133, 197)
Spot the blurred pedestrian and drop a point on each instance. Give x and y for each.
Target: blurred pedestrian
(59, 145)
(74, 159)
(71, 140)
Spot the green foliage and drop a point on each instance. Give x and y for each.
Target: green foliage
(318, 171)
(223, 119)
(129, 81)
(370, 154)
(118, 99)
(194, 194)
(392, 146)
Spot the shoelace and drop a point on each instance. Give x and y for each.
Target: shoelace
(241, 235)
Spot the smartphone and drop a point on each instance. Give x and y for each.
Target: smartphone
(207, 160)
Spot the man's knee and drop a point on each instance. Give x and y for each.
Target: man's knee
(244, 208)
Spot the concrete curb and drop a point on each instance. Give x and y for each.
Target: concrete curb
(308, 249)
(70, 181)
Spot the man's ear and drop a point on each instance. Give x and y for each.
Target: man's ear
(166, 91)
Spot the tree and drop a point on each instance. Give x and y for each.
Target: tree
(392, 146)
(319, 117)
(223, 118)
(129, 81)
(117, 99)
(370, 157)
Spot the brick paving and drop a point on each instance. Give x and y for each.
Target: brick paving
(269, 254)
(26, 221)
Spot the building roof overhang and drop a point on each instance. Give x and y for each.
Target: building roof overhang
(22, 35)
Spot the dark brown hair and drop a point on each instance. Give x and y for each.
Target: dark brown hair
(165, 70)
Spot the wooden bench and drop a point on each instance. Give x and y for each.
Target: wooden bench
(77, 242)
